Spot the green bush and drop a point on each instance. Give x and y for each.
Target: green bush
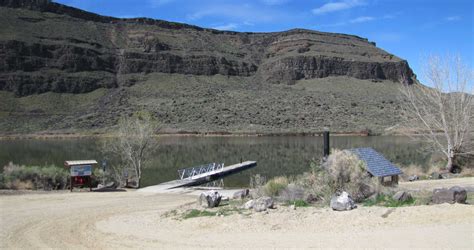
(193, 213)
(275, 186)
(388, 201)
(33, 177)
(299, 203)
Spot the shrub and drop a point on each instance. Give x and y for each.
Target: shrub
(421, 171)
(299, 203)
(100, 177)
(292, 192)
(347, 173)
(2, 181)
(33, 177)
(343, 171)
(317, 184)
(193, 213)
(273, 187)
(257, 183)
(388, 201)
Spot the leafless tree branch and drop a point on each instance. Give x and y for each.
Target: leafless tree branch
(442, 114)
(135, 142)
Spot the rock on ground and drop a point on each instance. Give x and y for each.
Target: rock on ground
(460, 194)
(241, 194)
(413, 178)
(210, 199)
(311, 198)
(342, 202)
(263, 203)
(365, 191)
(453, 195)
(402, 196)
(436, 176)
(249, 204)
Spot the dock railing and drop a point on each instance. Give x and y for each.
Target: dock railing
(189, 173)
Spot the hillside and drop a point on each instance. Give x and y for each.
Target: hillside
(66, 70)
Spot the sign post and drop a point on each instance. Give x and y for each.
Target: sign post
(104, 164)
(80, 172)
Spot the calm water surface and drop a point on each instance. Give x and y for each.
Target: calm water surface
(286, 155)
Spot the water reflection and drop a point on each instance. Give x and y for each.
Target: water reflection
(274, 155)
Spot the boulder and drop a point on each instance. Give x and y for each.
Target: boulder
(442, 195)
(436, 176)
(452, 195)
(460, 194)
(210, 199)
(365, 191)
(249, 204)
(311, 198)
(342, 202)
(241, 194)
(402, 196)
(263, 203)
(225, 198)
(446, 175)
(413, 178)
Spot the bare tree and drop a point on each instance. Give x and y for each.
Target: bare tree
(134, 144)
(442, 114)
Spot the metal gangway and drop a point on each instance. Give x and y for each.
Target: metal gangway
(200, 175)
(199, 171)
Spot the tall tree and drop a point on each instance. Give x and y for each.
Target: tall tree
(442, 112)
(135, 142)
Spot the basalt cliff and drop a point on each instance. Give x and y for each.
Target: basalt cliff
(193, 79)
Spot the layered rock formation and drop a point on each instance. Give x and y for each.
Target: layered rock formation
(47, 46)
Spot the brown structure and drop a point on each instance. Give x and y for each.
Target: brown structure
(389, 180)
(80, 172)
(378, 166)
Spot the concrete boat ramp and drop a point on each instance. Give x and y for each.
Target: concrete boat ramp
(198, 176)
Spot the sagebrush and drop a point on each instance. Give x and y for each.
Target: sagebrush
(33, 177)
(343, 171)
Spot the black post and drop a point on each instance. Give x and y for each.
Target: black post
(326, 143)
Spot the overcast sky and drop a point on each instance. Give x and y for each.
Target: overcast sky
(410, 29)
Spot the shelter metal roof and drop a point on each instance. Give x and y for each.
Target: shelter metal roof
(80, 162)
(376, 163)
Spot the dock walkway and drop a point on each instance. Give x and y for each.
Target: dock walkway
(201, 178)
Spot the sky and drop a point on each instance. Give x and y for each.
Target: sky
(410, 29)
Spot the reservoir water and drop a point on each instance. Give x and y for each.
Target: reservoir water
(282, 155)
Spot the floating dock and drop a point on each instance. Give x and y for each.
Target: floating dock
(202, 178)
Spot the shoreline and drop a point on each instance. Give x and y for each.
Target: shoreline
(183, 134)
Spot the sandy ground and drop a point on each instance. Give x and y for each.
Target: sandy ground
(466, 182)
(137, 220)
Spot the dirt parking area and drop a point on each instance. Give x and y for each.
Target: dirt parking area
(141, 220)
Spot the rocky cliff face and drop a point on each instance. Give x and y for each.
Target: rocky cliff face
(47, 46)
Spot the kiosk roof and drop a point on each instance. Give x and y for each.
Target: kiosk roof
(80, 162)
